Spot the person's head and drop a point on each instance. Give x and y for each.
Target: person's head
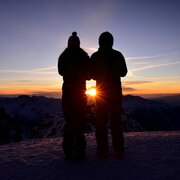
(73, 41)
(106, 40)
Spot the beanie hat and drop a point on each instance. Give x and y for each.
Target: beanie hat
(73, 40)
(106, 40)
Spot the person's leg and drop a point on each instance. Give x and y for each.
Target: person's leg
(101, 128)
(79, 137)
(116, 127)
(79, 133)
(68, 140)
(80, 143)
(68, 136)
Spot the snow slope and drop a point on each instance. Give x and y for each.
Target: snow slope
(149, 156)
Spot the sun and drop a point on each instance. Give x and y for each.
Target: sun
(91, 92)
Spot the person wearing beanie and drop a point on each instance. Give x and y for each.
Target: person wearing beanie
(108, 66)
(73, 65)
(73, 41)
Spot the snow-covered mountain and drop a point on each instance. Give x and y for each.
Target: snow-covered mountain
(171, 99)
(152, 114)
(32, 108)
(37, 116)
(29, 117)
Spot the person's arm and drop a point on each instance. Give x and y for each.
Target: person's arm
(60, 65)
(123, 68)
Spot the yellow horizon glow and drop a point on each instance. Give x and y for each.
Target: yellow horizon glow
(88, 92)
(168, 87)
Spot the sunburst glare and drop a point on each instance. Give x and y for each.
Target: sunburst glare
(91, 92)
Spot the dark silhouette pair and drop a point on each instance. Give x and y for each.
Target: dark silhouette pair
(106, 66)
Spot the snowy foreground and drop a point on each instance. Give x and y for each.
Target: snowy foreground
(149, 156)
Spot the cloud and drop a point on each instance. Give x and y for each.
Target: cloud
(46, 70)
(23, 81)
(142, 63)
(136, 82)
(126, 84)
(154, 66)
(164, 78)
(128, 89)
(144, 57)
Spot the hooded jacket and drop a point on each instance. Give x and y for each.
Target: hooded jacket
(108, 65)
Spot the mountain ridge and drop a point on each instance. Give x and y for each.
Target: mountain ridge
(26, 116)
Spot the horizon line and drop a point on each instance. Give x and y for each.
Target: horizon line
(57, 95)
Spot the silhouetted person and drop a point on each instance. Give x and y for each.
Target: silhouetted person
(73, 65)
(108, 66)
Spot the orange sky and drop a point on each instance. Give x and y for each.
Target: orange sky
(138, 88)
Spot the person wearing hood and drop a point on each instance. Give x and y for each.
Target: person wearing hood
(108, 66)
(73, 65)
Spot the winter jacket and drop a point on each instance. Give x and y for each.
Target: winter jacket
(73, 65)
(108, 66)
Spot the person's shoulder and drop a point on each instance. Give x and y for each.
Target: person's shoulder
(95, 54)
(117, 53)
(83, 52)
(63, 54)
(65, 51)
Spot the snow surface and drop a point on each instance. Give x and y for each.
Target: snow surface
(148, 156)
